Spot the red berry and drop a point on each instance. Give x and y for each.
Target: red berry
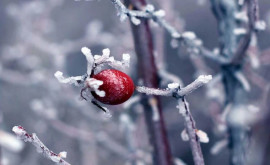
(117, 85)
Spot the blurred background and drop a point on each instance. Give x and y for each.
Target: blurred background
(39, 38)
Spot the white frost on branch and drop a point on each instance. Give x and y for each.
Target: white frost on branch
(184, 135)
(173, 85)
(89, 57)
(241, 16)
(93, 85)
(70, 80)
(204, 78)
(41, 148)
(240, 31)
(189, 35)
(203, 138)
(173, 88)
(260, 25)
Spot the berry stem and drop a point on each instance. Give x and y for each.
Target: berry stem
(148, 73)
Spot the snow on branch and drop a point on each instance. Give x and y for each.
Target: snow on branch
(191, 133)
(41, 148)
(174, 88)
(194, 44)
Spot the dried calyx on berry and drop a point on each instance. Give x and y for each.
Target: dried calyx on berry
(109, 86)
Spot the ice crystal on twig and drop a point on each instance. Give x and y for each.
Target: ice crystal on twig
(41, 148)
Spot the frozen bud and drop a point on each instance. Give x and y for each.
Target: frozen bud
(202, 136)
(205, 78)
(58, 74)
(106, 52)
(239, 31)
(62, 154)
(160, 13)
(260, 25)
(173, 85)
(184, 135)
(149, 8)
(126, 57)
(86, 51)
(189, 35)
(18, 130)
(242, 16)
(135, 21)
(176, 35)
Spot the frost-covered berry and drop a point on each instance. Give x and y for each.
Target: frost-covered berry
(118, 86)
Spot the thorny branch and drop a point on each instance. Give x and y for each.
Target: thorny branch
(41, 148)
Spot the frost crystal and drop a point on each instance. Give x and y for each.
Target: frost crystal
(242, 16)
(63, 154)
(135, 20)
(260, 25)
(70, 80)
(202, 136)
(189, 35)
(160, 13)
(18, 130)
(205, 78)
(173, 85)
(239, 31)
(149, 8)
(94, 84)
(184, 135)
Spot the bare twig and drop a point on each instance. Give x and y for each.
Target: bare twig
(41, 148)
(191, 130)
(149, 13)
(174, 91)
